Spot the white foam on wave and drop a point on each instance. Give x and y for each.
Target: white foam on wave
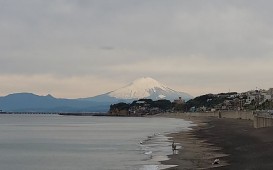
(157, 147)
(148, 152)
(159, 158)
(149, 167)
(156, 167)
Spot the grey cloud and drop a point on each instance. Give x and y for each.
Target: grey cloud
(76, 37)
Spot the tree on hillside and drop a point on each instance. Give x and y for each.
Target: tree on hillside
(179, 107)
(208, 101)
(120, 106)
(163, 104)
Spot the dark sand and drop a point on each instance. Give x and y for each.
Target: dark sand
(235, 142)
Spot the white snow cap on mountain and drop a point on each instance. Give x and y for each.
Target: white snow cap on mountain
(147, 87)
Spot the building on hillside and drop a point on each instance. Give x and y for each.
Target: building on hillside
(270, 92)
(117, 112)
(267, 97)
(250, 99)
(179, 101)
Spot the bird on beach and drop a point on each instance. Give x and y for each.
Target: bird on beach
(216, 161)
(173, 147)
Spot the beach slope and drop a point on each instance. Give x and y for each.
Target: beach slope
(234, 141)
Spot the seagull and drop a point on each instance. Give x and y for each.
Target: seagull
(216, 161)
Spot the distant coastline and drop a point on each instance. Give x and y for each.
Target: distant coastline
(60, 113)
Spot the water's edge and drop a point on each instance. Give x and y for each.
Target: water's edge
(153, 146)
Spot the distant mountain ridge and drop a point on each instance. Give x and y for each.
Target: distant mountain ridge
(28, 102)
(141, 88)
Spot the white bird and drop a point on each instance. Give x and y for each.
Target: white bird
(216, 161)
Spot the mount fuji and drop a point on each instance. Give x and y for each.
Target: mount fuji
(145, 87)
(141, 88)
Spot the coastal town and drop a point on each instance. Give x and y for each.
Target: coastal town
(259, 99)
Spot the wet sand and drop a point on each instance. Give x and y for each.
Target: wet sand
(235, 142)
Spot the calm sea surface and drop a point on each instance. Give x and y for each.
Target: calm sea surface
(51, 142)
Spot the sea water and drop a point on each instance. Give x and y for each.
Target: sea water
(53, 142)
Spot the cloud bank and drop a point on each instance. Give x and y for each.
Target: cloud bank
(83, 48)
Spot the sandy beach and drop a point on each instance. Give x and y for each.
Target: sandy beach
(235, 142)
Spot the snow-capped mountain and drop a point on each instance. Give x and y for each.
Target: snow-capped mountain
(143, 88)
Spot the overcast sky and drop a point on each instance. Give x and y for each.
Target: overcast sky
(82, 48)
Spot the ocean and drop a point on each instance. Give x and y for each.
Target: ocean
(53, 142)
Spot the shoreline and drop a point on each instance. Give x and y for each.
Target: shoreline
(235, 142)
(194, 153)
